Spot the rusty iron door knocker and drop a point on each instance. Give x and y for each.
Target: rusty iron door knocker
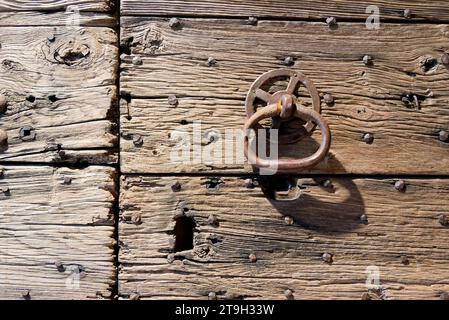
(283, 106)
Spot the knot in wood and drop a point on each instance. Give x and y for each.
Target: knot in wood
(75, 48)
(71, 54)
(153, 41)
(203, 252)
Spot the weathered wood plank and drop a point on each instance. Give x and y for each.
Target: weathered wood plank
(60, 82)
(156, 123)
(367, 98)
(360, 222)
(56, 5)
(405, 57)
(56, 214)
(434, 10)
(32, 18)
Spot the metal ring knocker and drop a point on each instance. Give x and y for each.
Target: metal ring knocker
(283, 106)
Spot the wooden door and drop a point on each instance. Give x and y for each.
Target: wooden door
(93, 95)
(58, 92)
(371, 219)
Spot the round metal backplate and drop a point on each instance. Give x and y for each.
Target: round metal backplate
(296, 78)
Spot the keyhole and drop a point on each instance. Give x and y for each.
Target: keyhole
(184, 229)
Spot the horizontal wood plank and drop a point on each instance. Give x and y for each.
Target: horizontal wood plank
(368, 99)
(56, 5)
(434, 10)
(59, 84)
(56, 215)
(337, 232)
(34, 18)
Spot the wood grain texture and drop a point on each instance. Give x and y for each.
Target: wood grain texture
(56, 5)
(60, 82)
(434, 10)
(402, 238)
(33, 18)
(45, 219)
(367, 98)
